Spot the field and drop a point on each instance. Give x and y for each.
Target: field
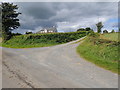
(42, 40)
(101, 50)
(110, 36)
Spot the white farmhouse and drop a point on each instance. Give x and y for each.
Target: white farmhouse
(48, 30)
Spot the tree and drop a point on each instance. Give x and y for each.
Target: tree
(81, 29)
(99, 27)
(9, 19)
(105, 31)
(87, 29)
(16, 34)
(113, 31)
(28, 33)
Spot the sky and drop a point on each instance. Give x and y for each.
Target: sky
(66, 16)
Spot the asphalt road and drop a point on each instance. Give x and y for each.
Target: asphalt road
(52, 67)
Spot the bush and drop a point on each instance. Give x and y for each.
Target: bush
(28, 33)
(105, 31)
(32, 40)
(93, 34)
(57, 37)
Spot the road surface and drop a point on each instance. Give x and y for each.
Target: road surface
(52, 67)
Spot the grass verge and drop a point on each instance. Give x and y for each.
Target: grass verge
(28, 45)
(103, 53)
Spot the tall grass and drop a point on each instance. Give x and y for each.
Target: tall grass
(110, 36)
(101, 52)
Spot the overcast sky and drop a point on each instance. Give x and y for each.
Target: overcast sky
(67, 16)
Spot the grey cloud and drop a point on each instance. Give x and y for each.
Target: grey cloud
(49, 14)
(38, 10)
(41, 12)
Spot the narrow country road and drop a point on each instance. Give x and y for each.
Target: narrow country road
(52, 67)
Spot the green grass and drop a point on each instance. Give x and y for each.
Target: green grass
(16, 42)
(14, 45)
(110, 36)
(100, 52)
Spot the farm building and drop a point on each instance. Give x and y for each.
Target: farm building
(48, 30)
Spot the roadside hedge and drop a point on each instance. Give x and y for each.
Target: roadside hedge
(50, 37)
(42, 40)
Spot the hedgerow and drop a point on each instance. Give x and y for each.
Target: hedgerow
(45, 38)
(57, 37)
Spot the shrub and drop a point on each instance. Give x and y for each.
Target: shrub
(105, 31)
(57, 37)
(31, 40)
(93, 34)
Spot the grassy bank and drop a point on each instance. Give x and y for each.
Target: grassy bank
(110, 36)
(101, 51)
(42, 40)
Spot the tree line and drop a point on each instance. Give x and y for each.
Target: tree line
(99, 26)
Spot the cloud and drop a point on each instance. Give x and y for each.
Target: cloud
(40, 10)
(60, 1)
(66, 16)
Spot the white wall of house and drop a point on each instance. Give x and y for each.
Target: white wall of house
(45, 30)
(49, 30)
